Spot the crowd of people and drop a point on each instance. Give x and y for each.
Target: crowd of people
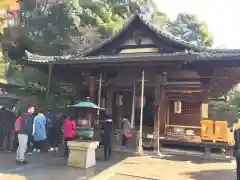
(39, 131)
(34, 131)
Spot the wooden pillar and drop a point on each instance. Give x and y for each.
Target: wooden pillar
(133, 107)
(91, 88)
(99, 92)
(50, 67)
(168, 112)
(79, 94)
(163, 112)
(160, 110)
(157, 101)
(140, 148)
(109, 103)
(119, 106)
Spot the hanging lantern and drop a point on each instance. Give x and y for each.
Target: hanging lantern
(177, 107)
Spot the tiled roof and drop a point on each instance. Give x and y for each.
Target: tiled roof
(191, 51)
(104, 58)
(177, 56)
(220, 55)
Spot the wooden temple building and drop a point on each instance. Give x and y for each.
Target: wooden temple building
(178, 78)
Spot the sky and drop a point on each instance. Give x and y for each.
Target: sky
(222, 17)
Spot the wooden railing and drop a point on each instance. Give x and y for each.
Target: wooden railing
(188, 133)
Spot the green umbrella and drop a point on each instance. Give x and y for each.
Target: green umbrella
(86, 104)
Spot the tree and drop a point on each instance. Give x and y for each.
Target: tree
(220, 110)
(50, 27)
(110, 15)
(226, 110)
(189, 28)
(160, 19)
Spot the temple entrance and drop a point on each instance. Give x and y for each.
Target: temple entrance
(148, 113)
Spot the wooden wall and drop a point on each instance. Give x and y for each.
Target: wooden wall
(190, 116)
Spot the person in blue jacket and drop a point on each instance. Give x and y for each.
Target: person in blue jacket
(39, 131)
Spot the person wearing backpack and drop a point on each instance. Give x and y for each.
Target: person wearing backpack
(23, 126)
(69, 129)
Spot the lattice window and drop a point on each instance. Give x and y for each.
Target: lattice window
(189, 108)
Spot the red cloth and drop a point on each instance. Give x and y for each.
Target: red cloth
(17, 124)
(128, 134)
(69, 128)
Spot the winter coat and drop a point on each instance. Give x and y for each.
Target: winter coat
(107, 133)
(25, 124)
(39, 127)
(69, 127)
(7, 118)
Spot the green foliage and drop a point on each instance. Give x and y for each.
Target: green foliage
(50, 28)
(2, 62)
(228, 110)
(189, 28)
(36, 87)
(109, 15)
(219, 110)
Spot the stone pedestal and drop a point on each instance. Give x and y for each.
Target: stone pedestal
(82, 153)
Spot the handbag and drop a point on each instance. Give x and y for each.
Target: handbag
(128, 134)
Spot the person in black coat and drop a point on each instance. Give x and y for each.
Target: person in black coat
(107, 138)
(54, 130)
(237, 151)
(7, 118)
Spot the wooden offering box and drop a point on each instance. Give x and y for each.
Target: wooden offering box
(221, 131)
(207, 130)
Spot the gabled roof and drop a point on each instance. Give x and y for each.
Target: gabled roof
(159, 32)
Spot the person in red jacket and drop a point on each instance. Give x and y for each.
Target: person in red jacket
(69, 129)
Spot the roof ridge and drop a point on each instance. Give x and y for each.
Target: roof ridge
(158, 30)
(169, 35)
(113, 36)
